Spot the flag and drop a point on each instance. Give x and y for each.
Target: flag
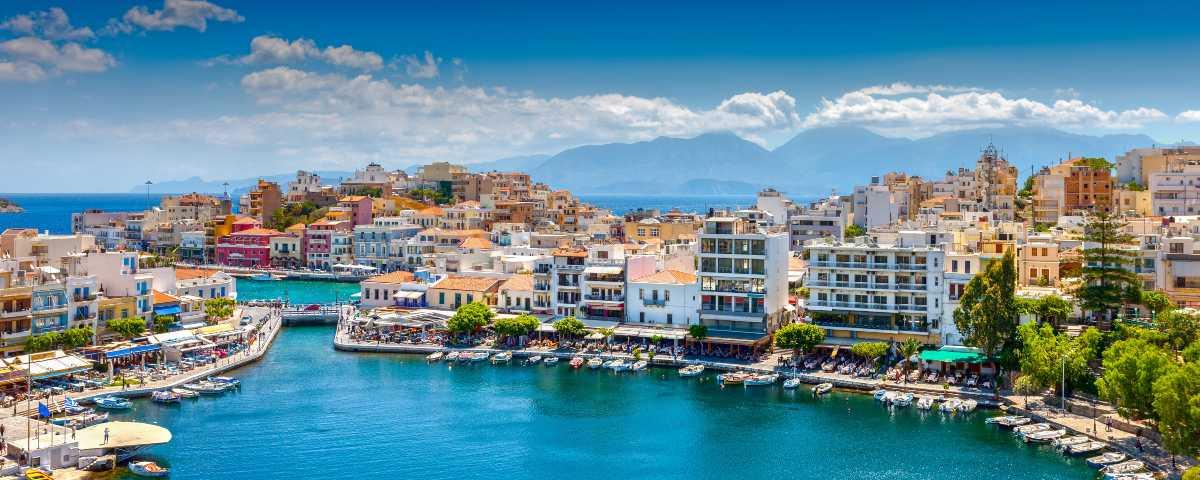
(43, 410)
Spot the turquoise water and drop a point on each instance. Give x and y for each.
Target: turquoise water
(307, 411)
(296, 291)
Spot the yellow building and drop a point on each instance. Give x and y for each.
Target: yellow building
(455, 291)
(664, 230)
(114, 308)
(1138, 201)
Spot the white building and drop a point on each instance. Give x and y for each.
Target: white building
(1176, 191)
(742, 277)
(667, 297)
(304, 184)
(119, 275)
(875, 205)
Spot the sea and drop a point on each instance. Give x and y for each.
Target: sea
(52, 211)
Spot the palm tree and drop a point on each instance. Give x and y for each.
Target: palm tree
(908, 348)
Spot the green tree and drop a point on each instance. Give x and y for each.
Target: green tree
(470, 318)
(1156, 302)
(1180, 328)
(162, 323)
(428, 195)
(1046, 355)
(76, 337)
(854, 231)
(699, 332)
(1107, 282)
(1025, 386)
(799, 337)
(569, 327)
(606, 334)
(987, 314)
(515, 326)
(908, 348)
(1130, 368)
(128, 327)
(1177, 405)
(870, 350)
(216, 309)
(1051, 309)
(42, 342)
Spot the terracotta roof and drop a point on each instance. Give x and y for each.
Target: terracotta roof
(521, 283)
(258, 231)
(434, 211)
(570, 253)
(470, 284)
(669, 276)
(475, 242)
(244, 220)
(467, 204)
(353, 198)
(160, 297)
(394, 277)
(190, 273)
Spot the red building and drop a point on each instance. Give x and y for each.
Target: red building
(247, 248)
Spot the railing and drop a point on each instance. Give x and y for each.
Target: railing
(710, 311)
(541, 286)
(653, 302)
(83, 298)
(568, 284)
(605, 298)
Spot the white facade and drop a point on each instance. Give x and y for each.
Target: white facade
(668, 297)
(875, 205)
(742, 277)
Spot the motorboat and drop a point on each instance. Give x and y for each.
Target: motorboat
(761, 379)
(263, 277)
(82, 420)
(903, 400)
(968, 406)
(534, 359)
(148, 469)
(595, 362)
(822, 389)
(502, 357)
(1089, 448)
(925, 403)
(1012, 421)
(113, 403)
(609, 363)
(639, 365)
(550, 361)
(164, 396)
(1131, 466)
(577, 362)
(1130, 476)
(229, 381)
(1028, 429)
(74, 408)
(184, 393)
(1106, 459)
(991, 420)
(480, 356)
(732, 378)
(1045, 436)
(435, 357)
(951, 405)
(879, 394)
(204, 388)
(791, 383)
(452, 356)
(1064, 442)
(691, 370)
(618, 366)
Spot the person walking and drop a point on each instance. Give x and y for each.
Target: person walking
(105, 436)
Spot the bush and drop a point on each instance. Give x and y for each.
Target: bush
(1192, 473)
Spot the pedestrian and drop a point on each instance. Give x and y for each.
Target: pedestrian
(105, 435)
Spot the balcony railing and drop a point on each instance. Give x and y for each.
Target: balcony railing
(741, 313)
(868, 265)
(654, 302)
(541, 286)
(83, 298)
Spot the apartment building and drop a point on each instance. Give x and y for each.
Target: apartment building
(959, 269)
(870, 291)
(875, 205)
(826, 218)
(382, 243)
(1177, 270)
(247, 248)
(1075, 186)
(1175, 191)
(1038, 262)
(666, 297)
(118, 274)
(672, 227)
(261, 202)
(1139, 164)
(742, 277)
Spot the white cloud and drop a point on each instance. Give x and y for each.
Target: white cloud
(355, 117)
(424, 67)
(32, 59)
(1188, 116)
(52, 24)
(194, 14)
(21, 71)
(902, 109)
(266, 49)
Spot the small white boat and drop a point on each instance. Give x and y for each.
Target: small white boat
(822, 388)
(951, 405)
(184, 393)
(1065, 442)
(534, 359)
(732, 378)
(226, 381)
(594, 363)
(165, 396)
(435, 357)
(1131, 466)
(480, 356)
(618, 366)
(550, 361)
(576, 362)
(691, 370)
(452, 356)
(791, 383)
(204, 388)
(1106, 459)
(925, 402)
(502, 357)
(148, 469)
(1012, 421)
(761, 379)
(903, 400)
(639, 365)
(113, 403)
(1028, 429)
(968, 406)
(608, 363)
(879, 394)
(1130, 476)
(1045, 436)
(263, 277)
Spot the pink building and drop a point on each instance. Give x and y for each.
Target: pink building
(247, 248)
(359, 207)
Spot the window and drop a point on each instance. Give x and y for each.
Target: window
(442, 298)
(670, 318)
(642, 317)
(667, 296)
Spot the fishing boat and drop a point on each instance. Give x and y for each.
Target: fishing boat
(951, 405)
(761, 379)
(113, 403)
(452, 356)
(791, 383)
(925, 403)
(1012, 422)
(480, 356)
(1106, 459)
(435, 357)
(228, 381)
(164, 396)
(1065, 442)
(148, 469)
(1028, 429)
(1131, 466)
(204, 388)
(903, 400)
(37, 474)
(550, 361)
(594, 363)
(534, 359)
(618, 365)
(502, 357)
(1045, 436)
(184, 393)
(608, 363)
(74, 408)
(576, 362)
(732, 378)
(691, 370)
(879, 394)
(822, 388)
(639, 365)
(968, 406)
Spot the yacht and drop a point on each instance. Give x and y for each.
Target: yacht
(791, 383)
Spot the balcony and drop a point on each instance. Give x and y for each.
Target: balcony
(83, 298)
(605, 298)
(916, 327)
(737, 313)
(541, 287)
(654, 302)
(15, 313)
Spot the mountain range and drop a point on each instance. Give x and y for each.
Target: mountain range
(811, 163)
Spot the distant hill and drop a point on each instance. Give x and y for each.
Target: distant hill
(511, 164)
(236, 186)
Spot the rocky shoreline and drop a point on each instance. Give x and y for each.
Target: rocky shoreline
(7, 206)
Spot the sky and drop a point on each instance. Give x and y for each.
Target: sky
(101, 96)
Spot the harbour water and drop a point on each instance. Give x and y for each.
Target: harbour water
(307, 411)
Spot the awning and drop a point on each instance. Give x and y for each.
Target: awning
(411, 295)
(604, 270)
(951, 356)
(125, 352)
(167, 310)
(214, 329)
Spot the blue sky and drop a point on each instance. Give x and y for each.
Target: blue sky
(122, 91)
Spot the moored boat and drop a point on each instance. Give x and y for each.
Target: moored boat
(533, 360)
(1012, 421)
(791, 383)
(452, 356)
(691, 370)
(1106, 459)
(761, 379)
(435, 357)
(165, 396)
(550, 361)
(1065, 442)
(968, 406)
(204, 388)
(480, 356)
(1131, 466)
(577, 362)
(502, 357)
(822, 388)
(639, 365)
(732, 378)
(184, 393)
(1089, 448)
(925, 402)
(226, 381)
(618, 366)
(148, 469)
(1028, 429)
(879, 394)
(951, 405)
(903, 400)
(113, 403)
(1044, 436)
(595, 363)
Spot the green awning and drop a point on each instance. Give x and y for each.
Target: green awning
(951, 356)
